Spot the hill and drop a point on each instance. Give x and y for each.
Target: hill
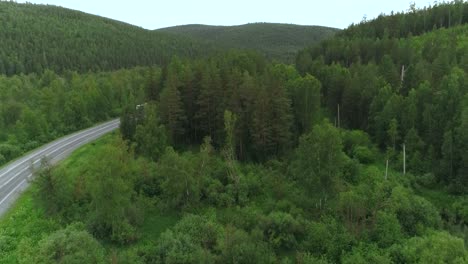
(37, 37)
(356, 155)
(275, 41)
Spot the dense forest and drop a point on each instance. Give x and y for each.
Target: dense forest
(38, 37)
(36, 109)
(34, 38)
(358, 153)
(275, 41)
(413, 86)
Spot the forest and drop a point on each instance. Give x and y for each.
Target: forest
(357, 153)
(35, 38)
(275, 41)
(36, 109)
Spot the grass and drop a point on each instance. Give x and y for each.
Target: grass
(23, 221)
(27, 221)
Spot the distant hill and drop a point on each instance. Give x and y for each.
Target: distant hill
(276, 41)
(36, 37)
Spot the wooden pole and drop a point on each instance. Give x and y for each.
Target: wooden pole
(404, 159)
(386, 170)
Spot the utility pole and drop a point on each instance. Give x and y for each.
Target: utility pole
(386, 170)
(404, 159)
(402, 75)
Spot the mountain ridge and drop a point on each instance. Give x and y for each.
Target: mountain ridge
(278, 41)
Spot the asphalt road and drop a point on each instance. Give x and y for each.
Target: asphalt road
(15, 175)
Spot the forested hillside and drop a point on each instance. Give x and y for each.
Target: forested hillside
(275, 41)
(357, 154)
(38, 37)
(402, 78)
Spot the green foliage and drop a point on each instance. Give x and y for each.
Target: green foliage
(48, 188)
(393, 132)
(305, 94)
(387, 230)
(150, 136)
(86, 42)
(9, 151)
(364, 154)
(275, 41)
(179, 248)
(414, 213)
(35, 109)
(180, 184)
(307, 258)
(244, 197)
(237, 246)
(70, 245)
(172, 111)
(196, 94)
(435, 247)
(319, 160)
(394, 82)
(111, 194)
(282, 230)
(366, 254)
(327, 238)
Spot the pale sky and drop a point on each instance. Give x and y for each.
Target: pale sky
(153, 14)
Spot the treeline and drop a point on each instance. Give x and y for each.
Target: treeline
(275, 41)
(410, 91)
(36, 109)
(38, 37)
(272, 102)
(413, 22)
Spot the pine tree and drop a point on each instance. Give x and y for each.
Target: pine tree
(261, 129)
(210, 113)
(281, 115)
(172, 111)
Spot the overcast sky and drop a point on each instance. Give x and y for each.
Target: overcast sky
(153, 14)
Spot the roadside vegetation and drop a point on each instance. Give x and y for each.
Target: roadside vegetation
(356, 154)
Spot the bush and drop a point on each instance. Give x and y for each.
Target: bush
(236, 246)
(414, 213)
(2, 159)
(70, 245)
(353, 139)
(387, 230)
(351, 170)
(327, 238)
(281, 230)
(436, 247)
(9, 151)
(365, 253)
(201, 230)
(179, 248)
(363, 154)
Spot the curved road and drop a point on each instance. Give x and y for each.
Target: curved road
(14, 176)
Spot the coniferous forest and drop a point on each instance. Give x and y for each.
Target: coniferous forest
(355, 153)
